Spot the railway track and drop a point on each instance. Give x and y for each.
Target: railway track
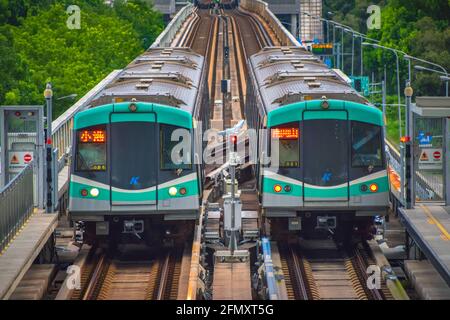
(107, 277)
(336, 274)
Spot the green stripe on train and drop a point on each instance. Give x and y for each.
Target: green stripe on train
(329, 192)
(164, 114)
(294, 112)
(163, 194)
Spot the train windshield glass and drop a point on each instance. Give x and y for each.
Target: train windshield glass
(288, 145)
(175, 148)
(91, 150)
(366, 145)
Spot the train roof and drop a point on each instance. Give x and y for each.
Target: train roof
(166, 76)
(286, 75)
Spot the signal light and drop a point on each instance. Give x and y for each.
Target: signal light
(173, 191)
(233, 140)
(94, 192)
(373, 187)
(18, 114)
(405, 139)
(84, 193)
(277, 188)
(183, 191)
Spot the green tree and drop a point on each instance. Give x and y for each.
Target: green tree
(73, 60)
(36, 46)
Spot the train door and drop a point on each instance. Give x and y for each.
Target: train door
(134, 160)
(325, 158)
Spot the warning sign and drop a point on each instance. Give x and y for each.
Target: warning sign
(424, 156)
(430, 159)
(19, 160)
(15, 160)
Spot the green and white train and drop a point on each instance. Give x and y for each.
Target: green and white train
(123, 179)
(330, 174)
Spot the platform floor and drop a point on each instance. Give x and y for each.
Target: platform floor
(429, 226)
(428, 284)
(23, 250)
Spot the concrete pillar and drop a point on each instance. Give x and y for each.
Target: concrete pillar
(294, 27)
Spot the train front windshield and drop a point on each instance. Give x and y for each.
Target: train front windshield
(366, 145)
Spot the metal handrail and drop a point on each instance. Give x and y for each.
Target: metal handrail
(262, 8)
(169, 33)
(16, 205)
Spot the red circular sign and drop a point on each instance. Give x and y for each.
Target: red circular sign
(27, 158)
(437, 155)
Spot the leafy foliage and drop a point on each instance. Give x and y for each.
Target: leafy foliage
(36, 46)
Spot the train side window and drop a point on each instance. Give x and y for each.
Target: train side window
(288, 137)
(167, 147)
(91, 149)
(366, 145)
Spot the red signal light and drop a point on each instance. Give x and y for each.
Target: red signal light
(233, 140)
(84, 193)
(405, 139)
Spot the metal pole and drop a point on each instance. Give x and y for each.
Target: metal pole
(334, 47)
(233, 240)
(408, 147)
(48, 94)
(342, 50)
(398, 95)
(362, 57)
(353, 54)
(383, 103)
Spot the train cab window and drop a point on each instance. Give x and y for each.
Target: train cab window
(91, 149)
(288, 137)
(366, 145)
(176, 143)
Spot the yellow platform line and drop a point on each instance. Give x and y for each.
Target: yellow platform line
(436, 222)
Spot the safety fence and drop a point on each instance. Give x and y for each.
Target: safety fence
(16, 205)
(426, 188)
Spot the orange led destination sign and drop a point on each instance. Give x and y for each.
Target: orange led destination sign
(322, 48)
(285, 133)
(93, 136)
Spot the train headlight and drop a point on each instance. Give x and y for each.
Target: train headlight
(173, 191)
(277, 188)
(95, 192)
(373, 187)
